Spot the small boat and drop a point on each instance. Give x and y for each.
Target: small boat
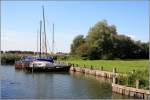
(23, 62)
(42, 62)
(47, 65)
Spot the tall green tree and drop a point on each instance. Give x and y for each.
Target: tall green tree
(103, 42)
(101, 36)
(78, 40)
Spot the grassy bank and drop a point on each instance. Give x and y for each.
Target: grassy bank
(134, 69)
(122, 66)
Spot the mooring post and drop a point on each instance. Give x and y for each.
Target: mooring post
(114, 75)
(137, 84)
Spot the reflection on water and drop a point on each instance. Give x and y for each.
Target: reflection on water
(21, 84)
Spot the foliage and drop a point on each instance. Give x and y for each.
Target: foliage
(66, 57)
(130, 79)
(79, 40)
(9, 58)
(103, 42)
(122, 80)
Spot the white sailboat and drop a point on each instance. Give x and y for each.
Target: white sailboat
(46, 64)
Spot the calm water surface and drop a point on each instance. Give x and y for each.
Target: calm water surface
(20, 84)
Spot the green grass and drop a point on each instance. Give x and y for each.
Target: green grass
(122, 66)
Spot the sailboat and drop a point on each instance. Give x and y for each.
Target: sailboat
(45, 63)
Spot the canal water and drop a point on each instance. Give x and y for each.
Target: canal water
(18, 84)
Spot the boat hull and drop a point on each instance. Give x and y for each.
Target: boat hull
(49, 69)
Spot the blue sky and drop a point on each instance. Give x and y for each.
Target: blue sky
(20, 21)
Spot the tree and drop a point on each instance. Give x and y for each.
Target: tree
(103, 42)
(101, 36)
(78, 40)
(82, 51)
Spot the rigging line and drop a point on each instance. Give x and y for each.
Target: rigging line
(48, 46)
(48, 42)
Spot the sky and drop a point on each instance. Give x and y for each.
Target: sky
(20, 21)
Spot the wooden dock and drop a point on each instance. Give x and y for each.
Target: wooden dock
(124, 90)
(129, 91)
(100, 73)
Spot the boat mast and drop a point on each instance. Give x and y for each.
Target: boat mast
(37, 42)
(53, 40)
(40, 36)
(44, 31)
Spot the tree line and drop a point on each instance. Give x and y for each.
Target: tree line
(104, 42)
(17, 52)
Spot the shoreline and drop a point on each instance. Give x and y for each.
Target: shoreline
(121, 89)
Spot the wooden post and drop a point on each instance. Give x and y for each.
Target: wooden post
(84, 65)
(102, 68)
(114, 70)
(137, 84)
(114, 75)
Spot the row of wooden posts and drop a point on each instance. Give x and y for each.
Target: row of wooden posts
(144, 94)
(102, 69)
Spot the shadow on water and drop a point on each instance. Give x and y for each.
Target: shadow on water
(66, 85)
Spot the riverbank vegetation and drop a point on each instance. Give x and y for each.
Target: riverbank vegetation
(131, 79)
(122, 66)
(9, 57)
(130, 71)
(104, 47)
(104, 42)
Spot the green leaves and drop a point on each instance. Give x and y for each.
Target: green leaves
(130, 79)
(103, 42)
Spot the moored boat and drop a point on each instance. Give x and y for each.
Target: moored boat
(43, 62)
(47, 65)
(23, 62)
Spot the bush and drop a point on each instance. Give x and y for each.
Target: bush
(130, 79)
(9, 58)
(122, 80)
